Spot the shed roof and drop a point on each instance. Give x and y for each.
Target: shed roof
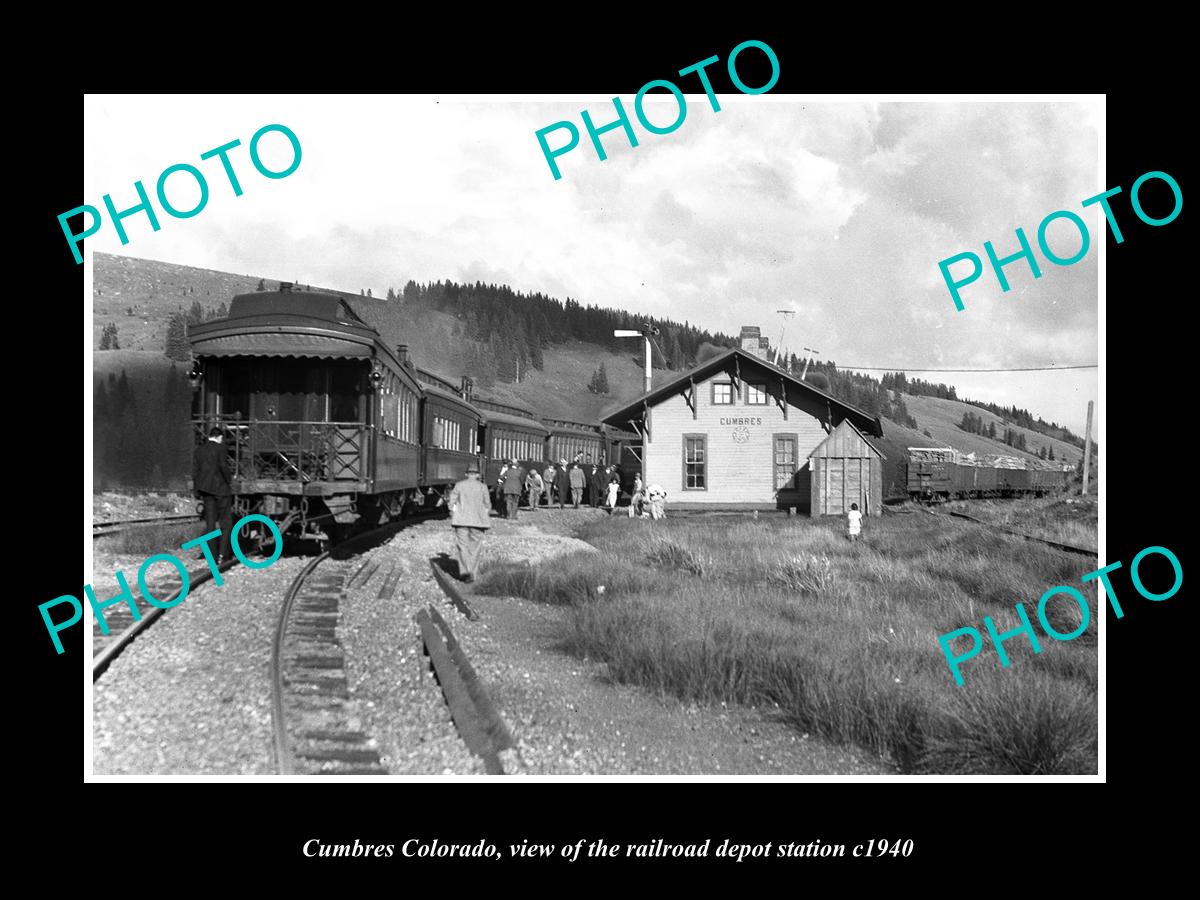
(846, 440)
(743, 361)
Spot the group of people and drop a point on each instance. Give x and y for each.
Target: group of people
(561, 484)
(470, 501)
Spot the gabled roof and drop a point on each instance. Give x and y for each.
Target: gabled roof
(747, 363)
(843, 427)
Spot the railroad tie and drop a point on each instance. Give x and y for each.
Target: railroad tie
(388, 589)
(459, 700)
(497, 731)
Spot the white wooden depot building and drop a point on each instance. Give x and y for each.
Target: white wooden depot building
(738, 432)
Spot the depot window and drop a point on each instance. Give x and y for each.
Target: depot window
(722, 393)
(695, 462)
(756, 394)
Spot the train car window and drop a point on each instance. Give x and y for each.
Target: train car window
(293, 390)
(234, 397)
(439, 431)
(316, 394)
(344, 394)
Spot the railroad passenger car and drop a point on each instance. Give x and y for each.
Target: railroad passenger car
(450, 433)
(510, 432)
(318, 413)
(568, 439)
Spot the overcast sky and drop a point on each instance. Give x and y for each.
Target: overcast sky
(840, 211)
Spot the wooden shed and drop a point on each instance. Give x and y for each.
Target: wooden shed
(845, 469)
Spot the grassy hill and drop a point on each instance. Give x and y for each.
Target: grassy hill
(942, 418)
(140, 296)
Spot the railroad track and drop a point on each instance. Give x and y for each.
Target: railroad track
(123, 628)
(1058, 545)
(116, 526)
(314, 722)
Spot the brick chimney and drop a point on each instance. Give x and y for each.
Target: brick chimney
(753, 342)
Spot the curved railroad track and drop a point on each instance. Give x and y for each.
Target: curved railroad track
(1058, 545)
(116, 526)
(315, 728)
(123, 628)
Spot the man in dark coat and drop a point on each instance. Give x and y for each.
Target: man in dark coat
(562, 483)
(599, 485)
(513, 485)
(213, 483)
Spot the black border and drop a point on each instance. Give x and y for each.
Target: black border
(961, 830)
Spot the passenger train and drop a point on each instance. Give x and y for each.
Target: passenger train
(328, 427)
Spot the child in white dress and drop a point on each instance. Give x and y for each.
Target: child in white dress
(854, 522)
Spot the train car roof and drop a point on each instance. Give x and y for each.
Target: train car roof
(442, 394)
(311, 305)
(284, 324)
(561, 425)
(492, 417)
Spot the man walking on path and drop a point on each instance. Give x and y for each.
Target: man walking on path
(213, 483)
(548, 483)
(578, 480)
(514, 483)
(469, 509)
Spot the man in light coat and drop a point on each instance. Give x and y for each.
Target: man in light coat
(548, 483)
(534, 485)
(469, 509)
(578, 480)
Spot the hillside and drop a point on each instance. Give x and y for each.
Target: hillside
(140, 297)
(942, 418)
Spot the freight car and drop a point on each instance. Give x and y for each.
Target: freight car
(940, 473)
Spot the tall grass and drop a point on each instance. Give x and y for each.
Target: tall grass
(841, 636)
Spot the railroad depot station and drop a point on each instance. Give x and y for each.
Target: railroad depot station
(739, 432)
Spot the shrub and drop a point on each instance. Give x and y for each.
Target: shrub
(805, 574)
(1014, 725)
(670, 555)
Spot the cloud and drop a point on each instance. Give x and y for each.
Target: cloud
(841, 210)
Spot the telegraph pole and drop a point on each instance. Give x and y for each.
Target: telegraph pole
(647, 332)
(1087, 450)
(804, 371)
(787, 360)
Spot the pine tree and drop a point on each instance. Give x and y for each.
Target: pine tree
(262, 285)
(195, 314)
(599, 382)
(1050, 455)
(535, 356)
(177, 347)
(391, 295)
(368, 292)
(108, 337)
(991, 430)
